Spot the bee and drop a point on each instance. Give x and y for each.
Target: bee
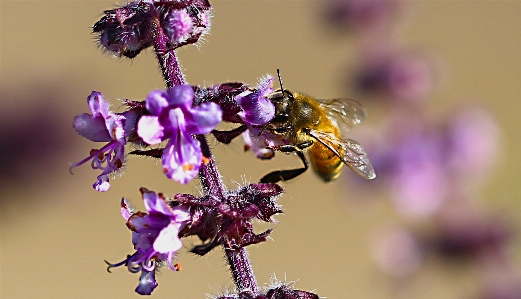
(306, 123)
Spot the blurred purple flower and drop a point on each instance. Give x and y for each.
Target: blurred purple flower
(361, 15)
(404, 77)
(174, 119)
(155, 237)
(409, 159)
(473, 137)
(467, 233)
(397, 251)
(423, 163)
(104, 126)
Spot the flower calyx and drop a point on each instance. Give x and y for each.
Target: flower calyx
(227, 221)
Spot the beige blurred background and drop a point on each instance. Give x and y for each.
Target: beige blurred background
(56, 230)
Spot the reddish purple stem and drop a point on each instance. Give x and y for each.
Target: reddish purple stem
(238, 260)
(167, 58)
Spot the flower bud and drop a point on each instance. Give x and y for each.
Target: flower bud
(125, 31)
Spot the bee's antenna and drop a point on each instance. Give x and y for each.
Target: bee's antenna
(280, 81)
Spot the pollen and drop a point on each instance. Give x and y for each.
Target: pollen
(178, 267)
(206, 160)
(188, 166)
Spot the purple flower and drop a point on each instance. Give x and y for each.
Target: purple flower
(257, 109)
(155, 237)
(104, 126)
(260, 142)
(174, 119)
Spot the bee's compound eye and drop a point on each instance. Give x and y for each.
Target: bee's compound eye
(276, 96)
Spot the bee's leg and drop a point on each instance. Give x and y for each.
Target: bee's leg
(288, 148)
(227, 136)
(285, 175)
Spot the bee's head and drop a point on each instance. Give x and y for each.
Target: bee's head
(282, 100)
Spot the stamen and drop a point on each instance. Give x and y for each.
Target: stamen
(124, 262)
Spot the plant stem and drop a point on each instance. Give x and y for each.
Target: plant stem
(238, 260)
(242, 272)
(167, 58)
(208, 173)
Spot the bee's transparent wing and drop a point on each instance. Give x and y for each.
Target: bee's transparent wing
(349, 151)
(344, 112)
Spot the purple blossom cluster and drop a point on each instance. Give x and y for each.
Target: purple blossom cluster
(219, 218)
(171, 125)
(173, 116)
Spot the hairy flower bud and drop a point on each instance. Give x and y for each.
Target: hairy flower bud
(128, 30)
(184, 23)
(125, 31)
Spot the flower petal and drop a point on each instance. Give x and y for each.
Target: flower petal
(114, 124)
(147, 283)
(257, 109)
(150, 130)
(203, 118)
(181, 95)
(126, 211)
(98, 106)
(92, 128)
(182, 158)
(180, 214)
(167, 240)
(102, 184)
(130, 121)
(156, 102)
(156, 204)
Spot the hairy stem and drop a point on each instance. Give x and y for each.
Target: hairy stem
(238, 260)
(240, 266)
(208, 173)
(242, 272)
(167, 58)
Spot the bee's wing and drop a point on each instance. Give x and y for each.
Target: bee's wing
(349, 151)
(344, 112)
